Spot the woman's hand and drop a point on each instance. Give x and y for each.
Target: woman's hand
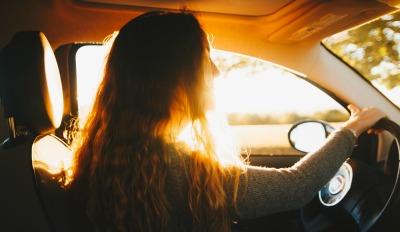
(362, 119)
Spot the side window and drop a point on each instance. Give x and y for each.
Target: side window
(89, 66)
(262, 101)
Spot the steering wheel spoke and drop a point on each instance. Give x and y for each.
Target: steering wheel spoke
(367, 211)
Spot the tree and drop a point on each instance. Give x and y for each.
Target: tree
(372, 49)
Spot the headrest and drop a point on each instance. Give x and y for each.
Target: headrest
(30, 82)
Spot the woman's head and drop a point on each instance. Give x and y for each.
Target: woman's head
(157, 79)
(155, 70)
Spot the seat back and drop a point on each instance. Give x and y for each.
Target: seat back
(21, 208)
(31, 93)
(51, 158)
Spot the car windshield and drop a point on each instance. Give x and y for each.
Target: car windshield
(373, 50)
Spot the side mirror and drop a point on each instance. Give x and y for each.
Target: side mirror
(308, 136)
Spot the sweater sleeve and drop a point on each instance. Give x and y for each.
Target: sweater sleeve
(264, 191)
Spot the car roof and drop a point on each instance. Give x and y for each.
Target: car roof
(284, 22)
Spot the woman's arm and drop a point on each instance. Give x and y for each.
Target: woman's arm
(263, 191)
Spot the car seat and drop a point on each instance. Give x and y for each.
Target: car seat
(32, 158)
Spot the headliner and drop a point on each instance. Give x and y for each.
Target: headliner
(284, 22)
(250, 8)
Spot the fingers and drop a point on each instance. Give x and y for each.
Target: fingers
(370, 111)
(363, 119)
(380, 114)
(354, 110)
(374, 131)
(374, 114)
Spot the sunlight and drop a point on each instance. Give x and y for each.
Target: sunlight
(270, 90)
(89, 67)
(49, 154)
(228, 154)
(54, 86)
(247, 86)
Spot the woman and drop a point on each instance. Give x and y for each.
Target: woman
(132, 174)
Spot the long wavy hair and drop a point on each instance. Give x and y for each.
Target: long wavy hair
(154, 84)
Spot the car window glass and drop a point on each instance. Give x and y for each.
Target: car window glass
(260, 100)
(373, 49)
(90, 61)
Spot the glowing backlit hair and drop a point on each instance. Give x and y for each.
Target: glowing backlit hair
(153, 86)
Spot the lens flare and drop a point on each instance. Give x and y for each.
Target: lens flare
(228, 154)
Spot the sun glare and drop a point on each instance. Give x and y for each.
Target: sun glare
(261, 101)
(90, 61)
(241, 90)
(54, 85)
(48, 154)
(226, 149)
(265, 89)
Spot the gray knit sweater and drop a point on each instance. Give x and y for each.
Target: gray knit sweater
(264, 191)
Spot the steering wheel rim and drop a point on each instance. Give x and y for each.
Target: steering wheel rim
(360, 197)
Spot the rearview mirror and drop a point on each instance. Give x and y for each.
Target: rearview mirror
(308, 136)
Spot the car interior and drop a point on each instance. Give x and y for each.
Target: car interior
(41, 103)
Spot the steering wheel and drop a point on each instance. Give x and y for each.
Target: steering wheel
(360, 193)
